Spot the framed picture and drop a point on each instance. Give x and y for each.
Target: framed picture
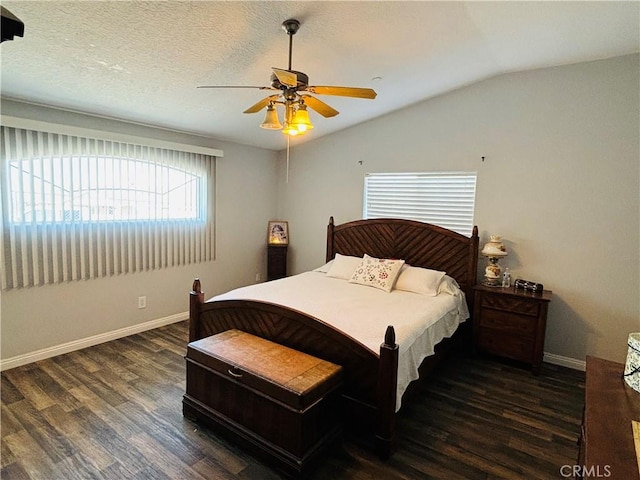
(278, 233)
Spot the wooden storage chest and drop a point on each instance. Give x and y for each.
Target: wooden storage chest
(281, 402)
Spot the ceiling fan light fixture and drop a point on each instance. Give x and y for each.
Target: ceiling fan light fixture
(291, 131)
(290, 128)
(294, 89)
(271, 120)
(301, 119)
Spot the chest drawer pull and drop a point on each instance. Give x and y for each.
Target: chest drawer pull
(234, 374)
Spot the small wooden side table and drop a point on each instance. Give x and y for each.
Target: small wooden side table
(276, 262)
(511, 323)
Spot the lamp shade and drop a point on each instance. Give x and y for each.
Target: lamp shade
(289, 127)
(301, 119)
(271, 121)
(494, 247)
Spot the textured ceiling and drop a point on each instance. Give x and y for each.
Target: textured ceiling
(142, 61)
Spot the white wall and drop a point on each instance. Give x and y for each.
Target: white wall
(34, 319)
(560, 182)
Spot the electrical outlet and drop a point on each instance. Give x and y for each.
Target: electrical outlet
(258, 277)
(142, 302)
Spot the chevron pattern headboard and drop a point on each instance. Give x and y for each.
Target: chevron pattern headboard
(418, 244)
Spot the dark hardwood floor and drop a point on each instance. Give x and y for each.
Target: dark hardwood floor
(114, 411)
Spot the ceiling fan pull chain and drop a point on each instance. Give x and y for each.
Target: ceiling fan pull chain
(288, 140)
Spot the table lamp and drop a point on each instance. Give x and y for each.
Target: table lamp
(493, 250)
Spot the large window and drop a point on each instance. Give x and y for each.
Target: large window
(78, 208)
(102, 189)
(445, 199)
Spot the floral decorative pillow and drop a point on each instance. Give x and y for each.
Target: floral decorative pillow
(377, 272)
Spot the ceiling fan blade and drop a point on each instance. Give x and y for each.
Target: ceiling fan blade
(234, 86)
(286, 77)
(344, 91)
(261, 104)
(319, 106)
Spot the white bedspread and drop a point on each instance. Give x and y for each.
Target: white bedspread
(363, 312)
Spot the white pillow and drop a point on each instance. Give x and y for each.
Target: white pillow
(377, 272)
(419, 280)
(343, 266)
(449, 285)
(324, 268)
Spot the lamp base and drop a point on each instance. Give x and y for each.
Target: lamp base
(493, 273)
(492, 282)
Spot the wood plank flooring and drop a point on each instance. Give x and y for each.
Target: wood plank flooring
(114, 411)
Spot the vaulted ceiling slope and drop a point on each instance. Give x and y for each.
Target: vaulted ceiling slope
(142, 61)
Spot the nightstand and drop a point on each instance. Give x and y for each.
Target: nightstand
(276, 262)
(511, 323)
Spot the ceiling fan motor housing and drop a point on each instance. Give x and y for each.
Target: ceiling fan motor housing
(302, 80)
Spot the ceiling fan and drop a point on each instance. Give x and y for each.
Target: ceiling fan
(294, 90)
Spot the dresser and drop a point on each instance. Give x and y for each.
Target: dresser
(276, 262)
(606, 441)
(511, 323)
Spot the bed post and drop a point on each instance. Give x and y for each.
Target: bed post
(473, 253)
(472, 271)
(196, 298)
(330, 252)
(387, 392)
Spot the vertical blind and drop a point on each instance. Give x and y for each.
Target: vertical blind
(445, 199)
(75, 208)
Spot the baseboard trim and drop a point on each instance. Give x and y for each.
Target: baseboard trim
(565, 361)
(31, 357)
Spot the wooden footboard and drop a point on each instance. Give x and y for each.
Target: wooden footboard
(370, 380)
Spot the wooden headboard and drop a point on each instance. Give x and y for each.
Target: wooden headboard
(417, 243)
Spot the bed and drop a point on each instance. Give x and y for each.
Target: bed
(374, 369)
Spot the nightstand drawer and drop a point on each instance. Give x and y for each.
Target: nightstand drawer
(508, 322)
(510, 304)
(510, 346)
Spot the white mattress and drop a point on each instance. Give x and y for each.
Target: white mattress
(363, 312)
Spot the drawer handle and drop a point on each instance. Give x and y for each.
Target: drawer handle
(234, 374)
